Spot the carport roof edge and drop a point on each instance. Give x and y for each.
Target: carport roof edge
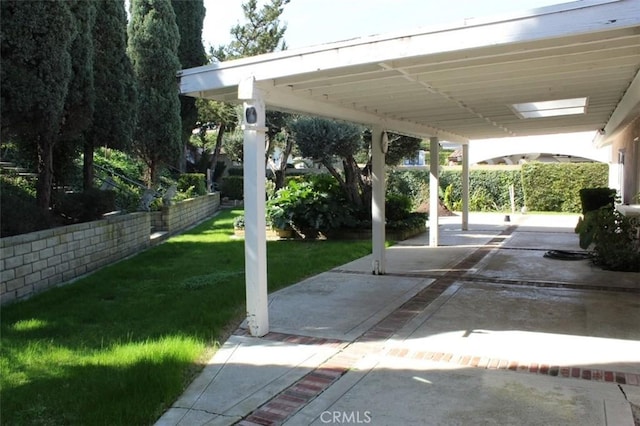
(397, 57)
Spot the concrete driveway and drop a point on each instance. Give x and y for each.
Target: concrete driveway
(481, 331)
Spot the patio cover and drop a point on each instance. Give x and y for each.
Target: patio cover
(450, 83)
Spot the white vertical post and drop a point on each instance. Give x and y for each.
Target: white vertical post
(434, 148)
(465, 187)
(379, 143)
(255, 240)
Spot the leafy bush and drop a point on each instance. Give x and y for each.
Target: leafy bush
(232, 187)
(614, 238)
(83, 206)
(594, 198)
(488, 189)
(19, 213)
(235, 171)
(192, 180)
(316, 204)
(413, 220)
(412, 183)
(556, 187)
(126, 181)
(119, 162)
(397, 207)
(550, 187)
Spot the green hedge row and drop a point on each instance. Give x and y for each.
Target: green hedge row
(539, 186)
(556, 187)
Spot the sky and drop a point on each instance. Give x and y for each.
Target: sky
(312, 22)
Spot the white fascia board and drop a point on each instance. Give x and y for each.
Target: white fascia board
(627, 110)
(544, 23)
(280, 99)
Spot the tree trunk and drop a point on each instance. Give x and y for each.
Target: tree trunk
(352, 181)
(282, 172)
(216, 150)
(87, 166)
(338, 177)
(45, 173)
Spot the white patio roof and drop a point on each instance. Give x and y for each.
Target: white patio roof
(458, 82)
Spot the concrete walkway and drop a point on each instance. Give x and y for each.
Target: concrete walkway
(481, 331)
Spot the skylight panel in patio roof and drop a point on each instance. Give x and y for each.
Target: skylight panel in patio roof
(554, 108)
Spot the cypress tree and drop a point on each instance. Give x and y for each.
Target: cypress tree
(80, 99)
(189, 18)
(116, 98)
(35, 74)
(153, 46)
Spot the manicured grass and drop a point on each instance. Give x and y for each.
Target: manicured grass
(118, 347)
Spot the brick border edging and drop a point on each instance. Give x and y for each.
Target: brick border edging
(483, 362)
(311, 385)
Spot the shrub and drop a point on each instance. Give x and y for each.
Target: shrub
(119, 162)
(614, 238)
(413, 220)
(195, 180)
(232, 187)
(397, 207)
(556, 187)
(235, 171)
(594, 198)
(83, 206)
(316, 204)
(19, 213)
(412, 183)
(126, 183)
(488, 189)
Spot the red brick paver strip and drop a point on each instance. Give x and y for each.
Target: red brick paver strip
(292, 399)
(632, 379)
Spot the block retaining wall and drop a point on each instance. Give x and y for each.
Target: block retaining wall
(179, 216)
(34, 262)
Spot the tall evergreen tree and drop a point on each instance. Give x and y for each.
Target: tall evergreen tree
(153, 46)
(116, 98)
(36, 71)
(80, 100)
(189, 17)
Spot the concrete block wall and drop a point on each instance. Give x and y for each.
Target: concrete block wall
(180, 216)
(31, 263)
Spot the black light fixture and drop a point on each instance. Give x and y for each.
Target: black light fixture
(251, 115)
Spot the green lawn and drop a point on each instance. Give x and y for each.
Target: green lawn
(119, 346)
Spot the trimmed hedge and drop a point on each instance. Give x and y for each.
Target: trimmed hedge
(195, 180)
(556, 187)
(539, 186)
(232, 187)
(488, 189)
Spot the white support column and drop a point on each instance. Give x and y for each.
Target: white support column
(434, 150)
(379, 143)
(465, 187)
(255, 242)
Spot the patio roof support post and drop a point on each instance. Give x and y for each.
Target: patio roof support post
(255, 242)
(379, 143)
(465, 187)
(434, 156)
